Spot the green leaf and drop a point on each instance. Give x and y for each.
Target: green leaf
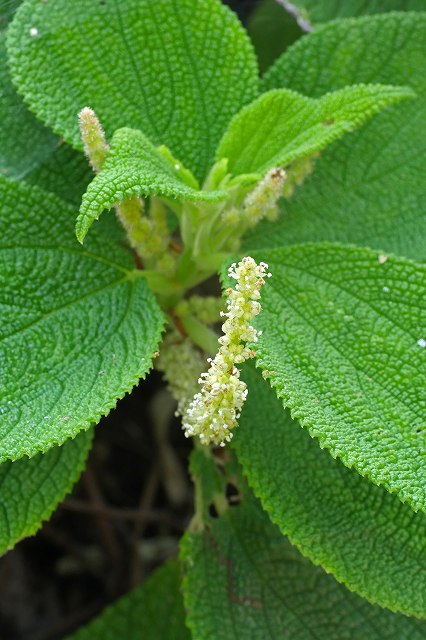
(283, 125)
(178, 70)
(368, 188)
(7, 10)
(272, 30)
(134, 167)
(65, 172)
(344, 336)
(30, 490)
(357, 531)
(28, 150)
(152, 611)
(79, 327)
(244, 581)
(324, 10)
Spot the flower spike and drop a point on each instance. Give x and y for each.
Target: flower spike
(215, 410)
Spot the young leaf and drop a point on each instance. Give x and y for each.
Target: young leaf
(283, 125)
(177, 70)
(344, 343)
(31, 489)
(134, 167)
(244, 581)
(368, 188)
(357, 531)
(153, 611)
(323, 10)
(79, 327)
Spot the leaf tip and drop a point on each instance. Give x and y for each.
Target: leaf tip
(80, 230)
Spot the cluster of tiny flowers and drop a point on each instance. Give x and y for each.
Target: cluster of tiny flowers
(215, 410)
(149, 236)
(262, 201)
(207, 309)
(299, 169)
(95, 145)
(181, 364)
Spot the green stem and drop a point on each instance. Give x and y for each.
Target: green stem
(200, 334)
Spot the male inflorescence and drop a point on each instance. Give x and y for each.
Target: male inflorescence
(214, 411)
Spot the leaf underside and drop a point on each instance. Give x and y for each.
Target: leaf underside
(79, 328)
(358, 532)
(368, 188)
(137, 64)
(283, 125)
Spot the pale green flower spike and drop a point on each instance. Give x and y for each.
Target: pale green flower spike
(207, 309)
(93, 137)
(148, 236)
(181, 364)
(262, 201)
(214, 411)
(299, 169)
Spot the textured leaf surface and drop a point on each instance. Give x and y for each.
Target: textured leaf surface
(245, 581)
(368, 188)
(176, 69)
(354, 529)
(28, 150)
(134, 167)
(31, 489)
(65, 172)
(78, 326)
(323, 10)
(272, 30)
(153, 611)
(7, 10)
(344, 343)
(23, 140)
(283, 125)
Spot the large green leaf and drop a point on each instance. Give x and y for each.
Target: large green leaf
(244, 581)
(79, 326)
(323, 10)
(368, 188)
(31, 489)
(176, 69)
(134, 167)
(7, 10)
(354, 529)
(283, 125)
(23, 140)
(65, 172)
(28, 150)
(153, 611)
(344, 344)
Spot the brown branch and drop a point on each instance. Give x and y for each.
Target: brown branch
(106, 531)
(113, 513)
